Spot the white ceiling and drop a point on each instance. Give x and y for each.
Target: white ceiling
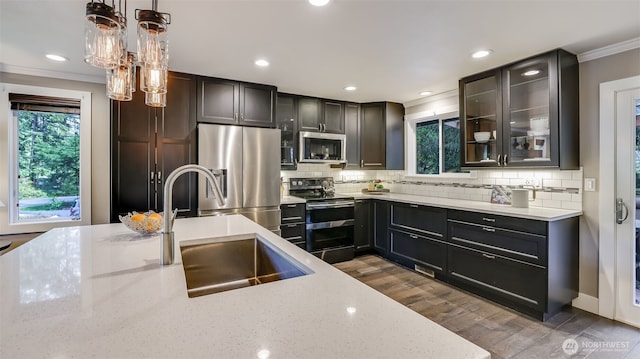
(391, 50)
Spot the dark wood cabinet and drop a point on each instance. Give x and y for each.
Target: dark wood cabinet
(524, 114)
(528, 265)
(319, 115)
(149, 143)
(352, 131)
(418, 237)
(292, 223)
(363, 214)
(286, 115)
(231, 102)
(382, 136)
(381, 227)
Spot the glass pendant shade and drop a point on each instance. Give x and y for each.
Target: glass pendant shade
(152, 38)
(155, 99)
(153, 79)
(121, 81)
(102, 36)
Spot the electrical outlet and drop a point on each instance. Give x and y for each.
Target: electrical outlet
(590, 184)
(533, 182)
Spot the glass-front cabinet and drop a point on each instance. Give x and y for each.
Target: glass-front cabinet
(522, 115)
(482, 106)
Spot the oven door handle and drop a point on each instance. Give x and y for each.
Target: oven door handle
(312, 206)
(332, 224)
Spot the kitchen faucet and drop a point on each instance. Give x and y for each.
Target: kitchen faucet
(167, 250)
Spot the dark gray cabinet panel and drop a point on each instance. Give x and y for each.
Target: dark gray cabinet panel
(352, 131)
(148, 144)
(382, 136)
(381, 227)
(363, 212)
(412, 249)
(309, 113)
(286, 118)
(419, 218)
(333, 115)
(292, 223)
(231, 102)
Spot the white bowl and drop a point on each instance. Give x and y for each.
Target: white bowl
(145, 225)
(481, 136)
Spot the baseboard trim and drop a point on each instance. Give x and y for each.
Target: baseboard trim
(586, 302)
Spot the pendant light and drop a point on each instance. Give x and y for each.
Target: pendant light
(121, 80)
(155, 99)
(102, 36)
(106, 47)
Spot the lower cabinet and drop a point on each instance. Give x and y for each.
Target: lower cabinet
(528, 265)
(292, 223)
(424, 254)
(363, 239)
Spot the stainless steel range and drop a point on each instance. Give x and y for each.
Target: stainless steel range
(329, 218)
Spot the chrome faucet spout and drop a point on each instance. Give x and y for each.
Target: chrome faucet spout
(167, 251)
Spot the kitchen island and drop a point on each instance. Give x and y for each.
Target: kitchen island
(99, 291)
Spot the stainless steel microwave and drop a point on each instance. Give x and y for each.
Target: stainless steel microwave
(319, 147)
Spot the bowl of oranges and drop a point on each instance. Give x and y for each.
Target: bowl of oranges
(145, 223)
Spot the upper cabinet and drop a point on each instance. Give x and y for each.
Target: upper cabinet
(522, 115)
(320, 115)
(286, 115)
(231, 102)
(381, 136)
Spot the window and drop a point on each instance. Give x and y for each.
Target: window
(48, 136)
(433, 146)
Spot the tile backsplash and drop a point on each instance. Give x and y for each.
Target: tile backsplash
(557, 189)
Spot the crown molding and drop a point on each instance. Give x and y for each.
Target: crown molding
(432, 98)
(609, 50)
(52, 74)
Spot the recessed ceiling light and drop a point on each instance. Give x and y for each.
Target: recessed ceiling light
(425, 93)
(531, 72)
(480, 54)
(262, 62)
(318, 2)
(56, 57)
(350, 88)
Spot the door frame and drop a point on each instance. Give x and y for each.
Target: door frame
(607, 194)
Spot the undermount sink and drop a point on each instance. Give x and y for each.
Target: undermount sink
(213, 265)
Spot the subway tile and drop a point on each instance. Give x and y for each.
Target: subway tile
(562, 175)
(576, 197)
(561, 196)
(571, 184)
(552, 183)
(551, 203)
(572, 205)
(502, 181)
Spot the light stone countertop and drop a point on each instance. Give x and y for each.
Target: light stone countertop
(537, 213)
(99, 292)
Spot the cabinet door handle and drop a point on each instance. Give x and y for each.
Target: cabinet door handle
(292, 205)
(413, 205)
(235, 116)
(159, 177)
(361, 163)
(505, 161)
(487, 229)
(489, 256)
(413, 236)
(488, 219)
(358, 201)
(320, 127)
(373, 164)
(499, 158)
(151, 174)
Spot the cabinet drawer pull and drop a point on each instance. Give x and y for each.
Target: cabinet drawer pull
(413, 236)
(293, 238)
(489, 256)
(488, 219)
(487, 229)
(292, 205)
(291, 225)
(373, 164)
(413, 205)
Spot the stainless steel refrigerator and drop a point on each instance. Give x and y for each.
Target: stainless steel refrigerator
(249, 159)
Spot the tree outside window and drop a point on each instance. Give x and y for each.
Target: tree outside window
(438, 146)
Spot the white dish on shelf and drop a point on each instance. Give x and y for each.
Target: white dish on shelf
(481, 136)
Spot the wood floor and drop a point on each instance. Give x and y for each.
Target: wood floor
(501, 331)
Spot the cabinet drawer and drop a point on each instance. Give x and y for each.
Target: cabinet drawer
(291, 213)
(292, 232)
(418, 249)
(514, 281)
(425, 219)
(517, 245)
(513, 223)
